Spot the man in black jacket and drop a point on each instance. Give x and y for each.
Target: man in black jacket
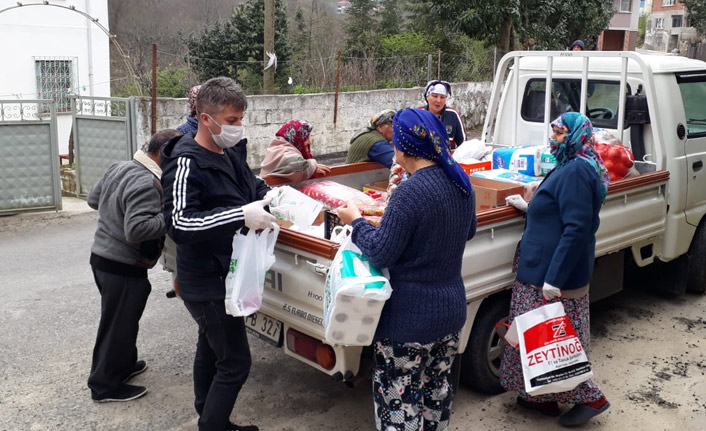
(210, 192)
(128, 241)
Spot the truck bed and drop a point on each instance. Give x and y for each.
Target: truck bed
(632, 217)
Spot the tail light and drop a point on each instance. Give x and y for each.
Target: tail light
(310, 348)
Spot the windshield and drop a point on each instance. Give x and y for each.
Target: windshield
(601, 107)
(693, 94)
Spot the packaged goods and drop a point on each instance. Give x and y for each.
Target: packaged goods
(476, 166)
(492, 193)
(291, 205)
(375, 209)
(547, 162)
(507, 176)
(335, 195)
(524, 160)
(471, 151)
(618, 159)
(355, 294)
(373, 220)
(528, 183)
(601, 136)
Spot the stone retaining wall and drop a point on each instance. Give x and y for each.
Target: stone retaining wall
(266, 114)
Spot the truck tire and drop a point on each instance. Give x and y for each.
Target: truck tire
(480, 363)
(696, 278)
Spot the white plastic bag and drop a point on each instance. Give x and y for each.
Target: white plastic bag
(553, 359)
(468, 151)
(253, 255)
(291, 205)
(355, 294)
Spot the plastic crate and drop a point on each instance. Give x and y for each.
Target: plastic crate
(331, 220)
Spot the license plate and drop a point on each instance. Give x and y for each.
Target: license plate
(264, 327)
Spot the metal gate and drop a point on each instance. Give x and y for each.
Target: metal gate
(29, 156)
(104, 133)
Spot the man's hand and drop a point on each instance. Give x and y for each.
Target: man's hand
(517, 202)
(255, 215)
(550, 292)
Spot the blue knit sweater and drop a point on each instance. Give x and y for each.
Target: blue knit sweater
(421, 239)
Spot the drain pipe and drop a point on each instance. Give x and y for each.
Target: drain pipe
(89, 43)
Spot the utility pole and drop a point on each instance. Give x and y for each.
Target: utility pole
(268, 78)
(153, 110)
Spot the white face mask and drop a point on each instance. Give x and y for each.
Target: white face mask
(229, 136)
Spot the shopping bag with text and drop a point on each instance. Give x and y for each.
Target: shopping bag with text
(553, 359)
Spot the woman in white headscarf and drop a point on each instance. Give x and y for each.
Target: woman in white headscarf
(435, 94)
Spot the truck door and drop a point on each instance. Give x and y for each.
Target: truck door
(692, 86)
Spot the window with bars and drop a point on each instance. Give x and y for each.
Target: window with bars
(56, 80)
(659, 22)
(677, 20)
(668, 2)
(625, 5)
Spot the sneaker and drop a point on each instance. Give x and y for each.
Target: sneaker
(548, 409)
(580, 414)
(233, 427)
(139, 368)
(123, 393)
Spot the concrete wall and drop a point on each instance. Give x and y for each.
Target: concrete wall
(47, 31)
(266, 114)
(667, 38)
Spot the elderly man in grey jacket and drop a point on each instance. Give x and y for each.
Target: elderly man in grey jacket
(128, 241)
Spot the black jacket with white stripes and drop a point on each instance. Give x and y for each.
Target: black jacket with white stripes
(203, 195)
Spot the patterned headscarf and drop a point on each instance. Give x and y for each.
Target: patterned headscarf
(420, 133)
(192, 99)
(296, 133)
(382, 117)
(577, 143)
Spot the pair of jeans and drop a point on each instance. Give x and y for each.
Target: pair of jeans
(221, 365)
(123, 300)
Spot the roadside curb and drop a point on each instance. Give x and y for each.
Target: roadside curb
(71, 207)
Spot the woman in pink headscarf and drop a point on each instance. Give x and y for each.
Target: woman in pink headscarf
(289, 154)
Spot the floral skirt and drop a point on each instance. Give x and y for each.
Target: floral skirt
(411, 388)
(524, 299)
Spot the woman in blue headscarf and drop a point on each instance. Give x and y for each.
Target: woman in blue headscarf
(556, 259)
(420, 239)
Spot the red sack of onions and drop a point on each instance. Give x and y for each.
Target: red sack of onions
(618, 159)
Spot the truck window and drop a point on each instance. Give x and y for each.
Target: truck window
(602, 104)
(693, 93)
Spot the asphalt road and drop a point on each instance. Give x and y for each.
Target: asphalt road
(649, 355)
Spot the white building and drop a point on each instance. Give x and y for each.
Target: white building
(51, 52)
(621, 33)
(668, 27)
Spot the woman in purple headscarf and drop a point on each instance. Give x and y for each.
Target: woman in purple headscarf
(556, 258)
(420, 239)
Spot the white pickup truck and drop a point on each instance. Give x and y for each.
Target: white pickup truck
(651, 227)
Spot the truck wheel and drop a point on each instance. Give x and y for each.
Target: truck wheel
(480, 368)
(696, 278)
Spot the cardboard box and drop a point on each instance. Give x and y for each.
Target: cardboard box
(491, 193)
(378, 187)
(476, 167)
